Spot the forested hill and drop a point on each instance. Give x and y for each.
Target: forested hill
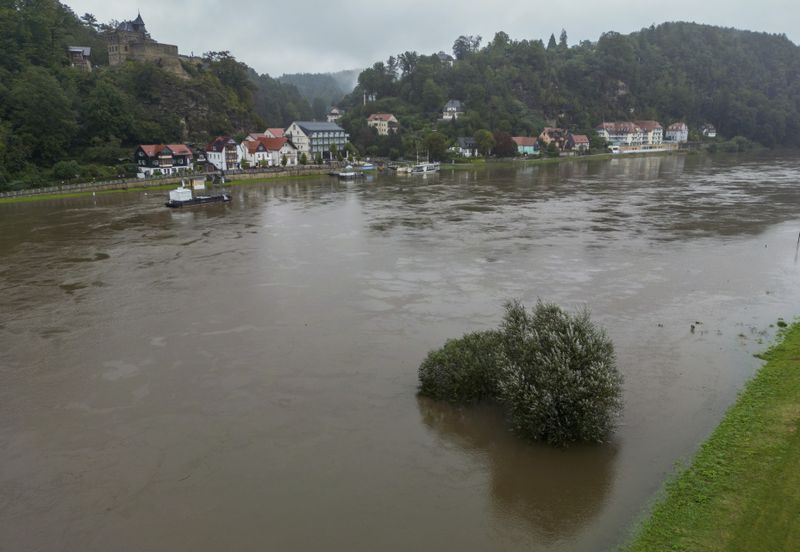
(50, 112)
(745, 83)
(322, 90)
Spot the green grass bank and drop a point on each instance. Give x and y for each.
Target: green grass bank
(742, 491)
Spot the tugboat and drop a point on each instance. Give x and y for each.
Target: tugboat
(182, 196)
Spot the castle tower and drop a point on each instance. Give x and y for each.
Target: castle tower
(138, 24)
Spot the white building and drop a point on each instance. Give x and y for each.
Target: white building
(269, 152)
(709, 131)
(634, 137)
(225, 154)
(384, 123)
(452, 110)
(652, 132)
(334, 114)
(678, 133)
(315, 138)
(620, 133)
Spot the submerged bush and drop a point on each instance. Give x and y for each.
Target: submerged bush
(554, 372)
(559, 378)
(464, 370)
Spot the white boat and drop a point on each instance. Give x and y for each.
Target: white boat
(425, 168)
(349, 173)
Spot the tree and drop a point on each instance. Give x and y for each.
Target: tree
(551, 44)
(485, 141)
(553, 372)
(41, 114)
(504, 144)
(66, 170)
(319, 107)
(284, 160)
(466, 45)
(303, 158)
(436, 145)
(90, 20)
(562, 40)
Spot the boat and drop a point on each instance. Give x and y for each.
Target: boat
(183, 197)
(424, 168)
(367, 167)
(349, 173)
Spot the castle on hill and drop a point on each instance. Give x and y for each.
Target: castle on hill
(131, 41)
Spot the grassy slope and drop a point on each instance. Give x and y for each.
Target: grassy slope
(742, 492)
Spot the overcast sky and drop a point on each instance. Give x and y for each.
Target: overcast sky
(313, 36)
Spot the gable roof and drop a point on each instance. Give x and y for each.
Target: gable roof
(219, 143)
(648, 125)
(453, 105)
(276, 132)
(678, 127)
(253, 146)
(466, 142)
(524, 141)
(381, 117)
(311, 127)
(180, 149)
(580, 138)
(618, 126)
(154, 150)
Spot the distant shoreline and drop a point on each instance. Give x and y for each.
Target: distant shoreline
(24, 196)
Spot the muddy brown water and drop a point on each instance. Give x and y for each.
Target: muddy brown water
(243, 376)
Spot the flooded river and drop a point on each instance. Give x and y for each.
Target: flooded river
(243, 376)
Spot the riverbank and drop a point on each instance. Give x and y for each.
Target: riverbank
(88, 189)
(156, 185)
(742, 491)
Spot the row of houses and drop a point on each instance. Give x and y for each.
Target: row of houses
(271, 148)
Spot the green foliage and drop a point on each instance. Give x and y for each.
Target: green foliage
(464, 370)
(284, 160)
(66, 170)
(435, 145)
(555, 373)
(560, 381)
(50, 112)
(320, 86)
(485, 141)
(742, 490)
(303, 159)
(504, 146)
(744, 83)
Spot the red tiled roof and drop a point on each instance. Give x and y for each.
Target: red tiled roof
(524, 140)
(180, 149)
(277, 132)
(580, 138)
(271, 144)
(154, 150)
(648, 125)
(380, 117)
(618, 126)
(252, 146)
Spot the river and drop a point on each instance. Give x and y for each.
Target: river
(243, 376)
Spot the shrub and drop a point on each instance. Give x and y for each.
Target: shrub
(464, 370)
(555, 373)
(559, 378)
(66, 170)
